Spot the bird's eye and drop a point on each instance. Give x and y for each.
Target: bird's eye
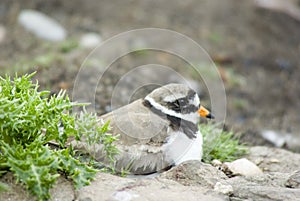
(177, 105)
(181, 101)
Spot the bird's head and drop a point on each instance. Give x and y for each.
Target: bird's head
(179, 101)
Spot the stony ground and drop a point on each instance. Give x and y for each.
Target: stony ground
(191, 180)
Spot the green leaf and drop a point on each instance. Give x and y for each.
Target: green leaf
(29, 120)
(77, 171)
(35, 166)
(89, 129)
(219, 144)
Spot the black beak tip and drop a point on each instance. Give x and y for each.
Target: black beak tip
(210, 116)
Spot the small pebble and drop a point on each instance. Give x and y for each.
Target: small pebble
(274, 160)
(41, 25)
(124, 196)
(282, 139)
(90, 40)
(216, 163)
(226, 189)
(242, 167)
(289, 7)
(276, 138)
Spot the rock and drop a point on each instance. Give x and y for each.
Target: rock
(264, 193)
(226, 189)
(289, 7)
(294, 180)
(63, 190)
(278, 165)
(90, 40)
(242, 167)
(41, 25)
(195, 173)
(290, 141)
(276, 138)
(114, 188)
(2, 33)
(274, 159)
(191, 180)
(262, 188)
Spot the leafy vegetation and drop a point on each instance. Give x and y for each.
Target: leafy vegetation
(221, 145)
(68, 45)
(29, 121)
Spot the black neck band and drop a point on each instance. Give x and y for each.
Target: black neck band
(177, 124)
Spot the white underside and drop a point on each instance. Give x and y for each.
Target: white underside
(180, 148)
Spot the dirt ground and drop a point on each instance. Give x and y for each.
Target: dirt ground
(256, 51)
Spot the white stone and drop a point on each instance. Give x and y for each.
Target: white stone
(243, 167)
(289, 7)
(276, 138)
(281, 139)
(41, 25)
(90, 40)
(216, 163)
(124, 196)
(226, 189)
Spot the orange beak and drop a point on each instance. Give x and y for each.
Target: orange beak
(203, 112)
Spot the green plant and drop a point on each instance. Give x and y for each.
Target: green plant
(219, 144)
(45, 60)
(88, 126)
(68, 45)
(29, 121)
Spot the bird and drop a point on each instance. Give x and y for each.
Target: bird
(156, 132)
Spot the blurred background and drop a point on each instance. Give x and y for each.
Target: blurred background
(255, 45)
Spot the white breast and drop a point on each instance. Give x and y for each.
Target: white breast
(180, 148)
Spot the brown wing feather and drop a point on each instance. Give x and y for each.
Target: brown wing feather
(136, 124)
(141, 134)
